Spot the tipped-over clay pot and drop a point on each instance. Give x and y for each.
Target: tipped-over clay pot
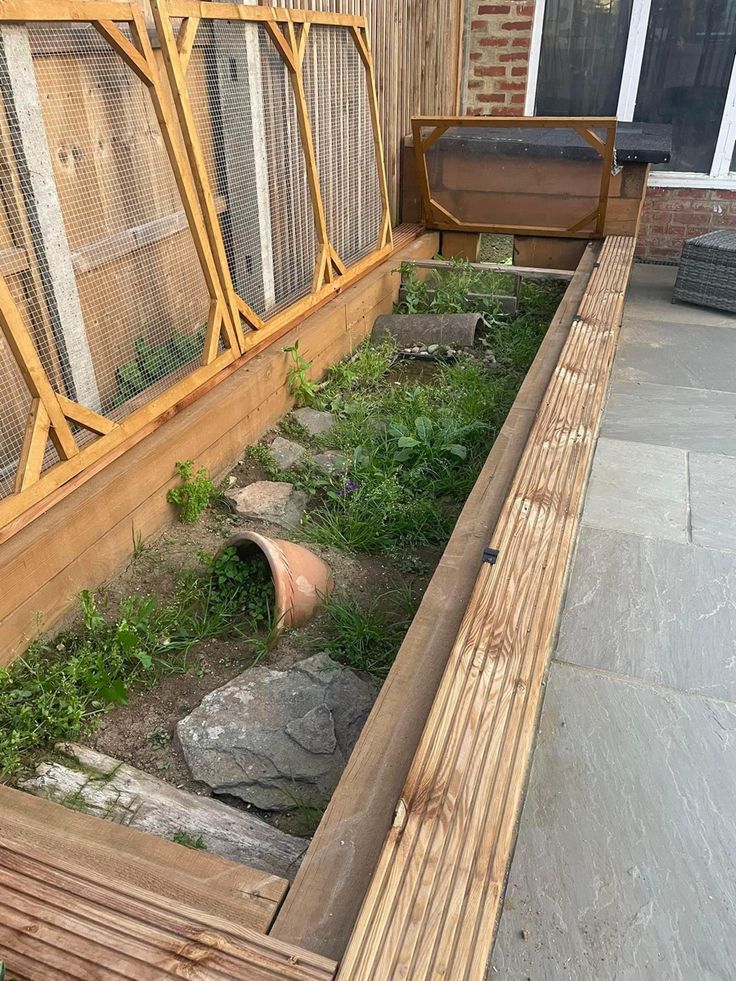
(301, 579)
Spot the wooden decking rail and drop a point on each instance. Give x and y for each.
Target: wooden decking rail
(435, 897)
(60, 922)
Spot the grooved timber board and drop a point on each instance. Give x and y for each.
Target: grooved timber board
(57, 921)
(431, 908)
(237, 893)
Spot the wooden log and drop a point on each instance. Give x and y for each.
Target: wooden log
(436, 892)
(323, 903)
(115, 791)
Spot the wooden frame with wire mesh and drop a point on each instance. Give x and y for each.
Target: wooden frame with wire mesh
(66, 440)
(427, 131)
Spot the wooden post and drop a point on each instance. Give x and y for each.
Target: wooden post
(43, 208)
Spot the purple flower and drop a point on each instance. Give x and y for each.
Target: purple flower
(348, 487)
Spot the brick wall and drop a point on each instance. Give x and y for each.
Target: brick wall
(672, 215)
(498, 59)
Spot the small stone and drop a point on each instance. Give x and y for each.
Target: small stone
(432, 348)
(286, 453)
(332, 461)
(316, 423)
(270, 500)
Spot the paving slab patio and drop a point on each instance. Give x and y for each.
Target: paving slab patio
(625, 864)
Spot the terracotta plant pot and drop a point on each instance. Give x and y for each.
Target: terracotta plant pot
(301, 579)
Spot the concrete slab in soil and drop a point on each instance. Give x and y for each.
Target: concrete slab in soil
(639, 489)
(692, 357)
(653, 610)
(649, 297)
(713, 500)
(689, 418)
(625, 866)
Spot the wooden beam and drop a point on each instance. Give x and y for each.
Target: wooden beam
(185, 40)
(209, 235)
(93, 422)
(34, 446)
(127, 51)
(31, 369)
(212, 336)
(436, 893)
(528, 272)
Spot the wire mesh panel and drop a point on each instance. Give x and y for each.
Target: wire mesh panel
(117, 303)
(337, 94)
(245, 115)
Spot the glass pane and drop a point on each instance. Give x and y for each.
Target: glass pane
(582, 57)
(687, 66)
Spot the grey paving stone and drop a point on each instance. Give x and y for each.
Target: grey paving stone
(649, 297)
(713, 500)
(639, 489)
(654, 610)
(690, 418)
(625, 865)
(692, 356)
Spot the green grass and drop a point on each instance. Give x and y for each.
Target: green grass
(366, 634)
(58, 690)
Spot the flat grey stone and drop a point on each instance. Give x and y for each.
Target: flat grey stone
(649, 297)
(271, 500)
(654, 610)
(332, 461)
(625, 865)
(713, 500)
(688, 356)
(286, 452)
(316, 423)
(639, 489)
(689, 418)
(275, 738)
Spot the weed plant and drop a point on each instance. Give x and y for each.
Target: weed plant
(415, 449)
(57, 691)
(193, 495)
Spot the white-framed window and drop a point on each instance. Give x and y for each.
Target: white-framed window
(656, 61)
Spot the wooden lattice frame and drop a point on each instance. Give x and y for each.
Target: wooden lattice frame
(52, 412)
(289, 31)
(439, 217)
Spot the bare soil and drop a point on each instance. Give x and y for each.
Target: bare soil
(143, 732)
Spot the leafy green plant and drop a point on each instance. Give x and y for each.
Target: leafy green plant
(263, 457)
(245, 585)
(194, 494)
(182, 837)
(301, 387)
(430, 442)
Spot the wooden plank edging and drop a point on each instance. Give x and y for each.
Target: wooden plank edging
(436, 893)
(323, 902)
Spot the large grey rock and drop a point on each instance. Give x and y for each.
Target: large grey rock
(271, 500)
(286, 452)
(277, 738)
(104, 787)
(315, 422)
